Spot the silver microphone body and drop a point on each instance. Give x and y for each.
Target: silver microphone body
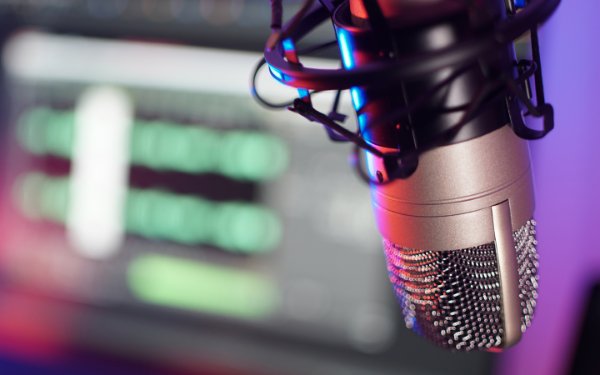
(459, 240)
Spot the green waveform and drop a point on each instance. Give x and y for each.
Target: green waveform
(209, 288)
(161, 145)
(45, 131)
(233, 226)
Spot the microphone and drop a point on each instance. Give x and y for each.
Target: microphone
(440, 101)
(459, 239)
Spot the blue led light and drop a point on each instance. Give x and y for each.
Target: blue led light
(288, 44)
(345, 48)
(303, 93)
(520, 3)
(369, 158)
(276, 73)
(358, 99)
(362, 120)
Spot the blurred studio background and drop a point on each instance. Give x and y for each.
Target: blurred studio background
(187, 230)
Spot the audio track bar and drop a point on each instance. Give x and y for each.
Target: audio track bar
(199, 286)
(167, 146)
(155, 214)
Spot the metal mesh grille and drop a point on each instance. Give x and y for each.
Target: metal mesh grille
(453, 297)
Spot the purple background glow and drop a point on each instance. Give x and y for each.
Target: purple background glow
(566, 168)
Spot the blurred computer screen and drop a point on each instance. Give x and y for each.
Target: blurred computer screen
(153, 213)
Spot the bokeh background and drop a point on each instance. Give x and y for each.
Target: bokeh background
(154, 219)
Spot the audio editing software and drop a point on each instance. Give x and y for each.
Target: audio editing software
(151, 209)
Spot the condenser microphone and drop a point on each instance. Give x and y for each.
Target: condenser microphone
(440, 100)
(459, 239)
(458, 233)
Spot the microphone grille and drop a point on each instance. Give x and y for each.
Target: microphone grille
(453, 297)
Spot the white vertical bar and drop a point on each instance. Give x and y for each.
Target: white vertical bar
(99, 171)
(508, 270)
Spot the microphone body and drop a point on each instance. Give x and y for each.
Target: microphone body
(458, 232)
(460, 244)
